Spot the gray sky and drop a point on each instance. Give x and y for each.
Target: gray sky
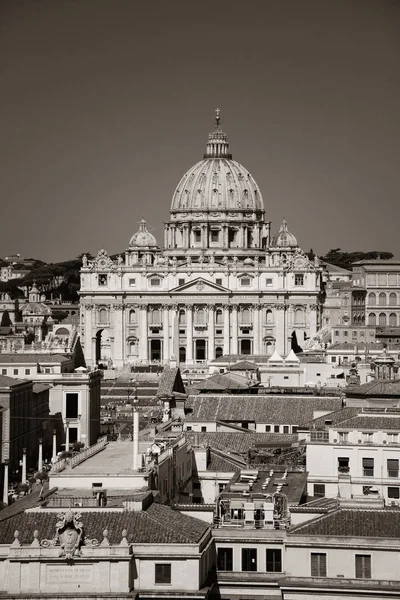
(106, 103)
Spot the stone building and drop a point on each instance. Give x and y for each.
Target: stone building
(221, 285)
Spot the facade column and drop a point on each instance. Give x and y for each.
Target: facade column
(189, 333)
(226, 309)
(204, 236)
(173, 318)
(40, 457)
(211, 333)
(143, 339)
(165, 235)
(256, 329)
(23, 478)
(67, 436)
(54, 455)
(5, 483)
(234, 345)
(119, 335)
(312, 318)
(280, 329)
(166, 353)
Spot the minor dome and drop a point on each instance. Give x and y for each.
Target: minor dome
(217, 183)
(284, 239)
(248, 261)
(38, 309)
(143, 238)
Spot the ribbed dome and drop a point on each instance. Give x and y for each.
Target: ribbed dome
(217, 183)
(143, 238)
(284, 239)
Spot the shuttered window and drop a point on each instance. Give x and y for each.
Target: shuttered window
(393, 467)
(368, 467)
(318, 564)
(363, 566)
(163, 573)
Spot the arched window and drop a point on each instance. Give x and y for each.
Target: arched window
(299, 316)
(372, 319)
(219, 317)
(245, 315)
(182, 318)
(392, 320)
(133, 349)
(372, 299)
(382, 320)
(393, 299)
(218, 351)
(269, 318)
(132, 317)
(103, 315)
(382, 299)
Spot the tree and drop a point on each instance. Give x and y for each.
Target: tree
(40, 478)
(5, 319)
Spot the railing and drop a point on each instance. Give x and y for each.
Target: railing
(88, 452)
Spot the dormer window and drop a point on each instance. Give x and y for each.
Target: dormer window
(299, 279)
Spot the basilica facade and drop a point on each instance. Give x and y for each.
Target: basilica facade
(221, 284)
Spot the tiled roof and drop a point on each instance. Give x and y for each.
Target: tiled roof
(368, 422)
(376, 387)
(234, 358)
(40, 387)
(244, 365)
(335, 269)
(223, 465)
(240, 442)
(6, 330)
(284, 410)
(335, 417)
(170, 381)
(378, 261)
(10, 381)
(223, 382)
(157, 525)
(29, 358)
(384, 523)
(360, 346)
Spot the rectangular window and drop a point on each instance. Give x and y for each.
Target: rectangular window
(245, 281)
(102, 279)
(181, 281)
(343, 436)
(27, 371)
(299, 280)
(319, 490)
(392, 438)
(345, 333)
(4, 371)
(214, 236)
(368, 467)
(15, 371)
(276, 428)
(318, 564)
(363, 566)
(188, 428)
(162, 573)
(343, 464)
(367, 437)
(155, 281)
(319, 436)
(225, 559)
(218, 281)
(286, 429)
(274, 560)
(394, 492)
(203, 428)
(268, 281)
(333, 359)
(393, 467)
(249, 559)
(197, 235)
(132, 282)
(71, 401)
(268, 428)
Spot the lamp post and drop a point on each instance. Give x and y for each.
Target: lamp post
(54, 457)
(23, 479)
(40, 458)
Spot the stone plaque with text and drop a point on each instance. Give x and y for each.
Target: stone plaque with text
(69, 573)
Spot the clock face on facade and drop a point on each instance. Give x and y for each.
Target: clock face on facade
(102, 262)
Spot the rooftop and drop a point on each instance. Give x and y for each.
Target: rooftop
(32, 357)
(346, 522)
(158, 524)
(376, 387)
(284, 410)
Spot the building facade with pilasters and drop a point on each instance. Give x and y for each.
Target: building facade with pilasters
(221, 285)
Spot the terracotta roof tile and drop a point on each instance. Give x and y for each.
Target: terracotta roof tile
(384, 523)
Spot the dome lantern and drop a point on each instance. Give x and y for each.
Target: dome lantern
(217, 145)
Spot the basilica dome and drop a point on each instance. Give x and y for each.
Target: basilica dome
(143, 238)
(217, 183)
(284, 239)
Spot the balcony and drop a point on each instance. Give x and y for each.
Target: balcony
(343, 469)
(155, 326)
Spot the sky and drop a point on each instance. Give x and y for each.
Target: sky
(105, 104)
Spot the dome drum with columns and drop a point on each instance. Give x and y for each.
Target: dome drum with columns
(220, 286)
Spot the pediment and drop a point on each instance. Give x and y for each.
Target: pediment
(200, 286)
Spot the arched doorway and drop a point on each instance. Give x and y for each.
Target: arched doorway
(182, 354)
(245, 347)
(200, 346)
(218, 351)
(103, 345)
(155, 350)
